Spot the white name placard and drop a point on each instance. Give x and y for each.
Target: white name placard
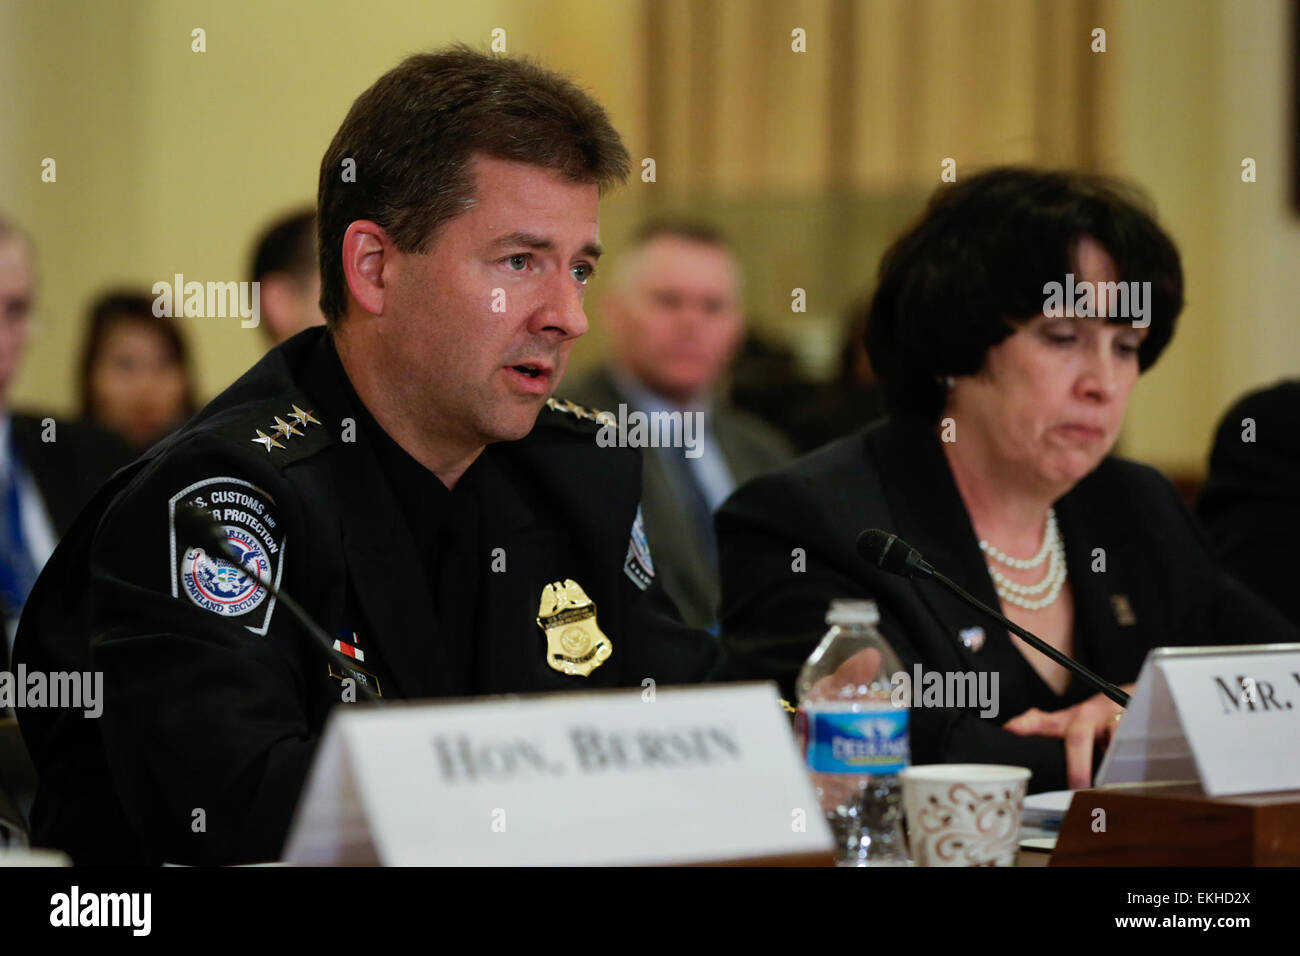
(680, 775)
(1226, 717)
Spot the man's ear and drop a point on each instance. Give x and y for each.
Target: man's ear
(366, 250)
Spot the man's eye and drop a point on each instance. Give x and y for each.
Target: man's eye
(583, 272)
(518, 262)
(1057, 338)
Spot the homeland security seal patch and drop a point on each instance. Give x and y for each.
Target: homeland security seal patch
(247, 516)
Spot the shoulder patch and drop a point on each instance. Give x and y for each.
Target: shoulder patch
(251, 521)
(637, 565)
(282, 430)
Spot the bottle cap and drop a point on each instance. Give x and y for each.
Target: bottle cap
(844, 611)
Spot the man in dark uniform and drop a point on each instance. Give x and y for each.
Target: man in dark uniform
(404, 473)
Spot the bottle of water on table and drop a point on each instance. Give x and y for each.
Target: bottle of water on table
(854, 738)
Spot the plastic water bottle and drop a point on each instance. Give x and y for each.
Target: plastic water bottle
(854, 738)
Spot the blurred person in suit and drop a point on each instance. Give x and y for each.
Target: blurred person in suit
(135, 370)
(675, 318)
(1251, 500)
(48, 469)
(284, 262)
(995, 464)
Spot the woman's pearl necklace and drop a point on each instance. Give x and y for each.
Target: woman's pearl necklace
(1025, 595)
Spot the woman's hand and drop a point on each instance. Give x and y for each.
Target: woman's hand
(1080, 726)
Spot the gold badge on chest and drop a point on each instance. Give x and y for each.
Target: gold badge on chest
(575, 644)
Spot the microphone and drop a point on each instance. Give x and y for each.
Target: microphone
(195, 528)
(892, 554)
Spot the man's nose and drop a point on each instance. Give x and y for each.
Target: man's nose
(563, 311)
(691, 320)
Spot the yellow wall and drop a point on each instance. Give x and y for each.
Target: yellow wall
(1198, 86)
(168, 160)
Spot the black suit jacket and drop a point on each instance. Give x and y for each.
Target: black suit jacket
(893, 475)
(1251, 500)
(215, 699)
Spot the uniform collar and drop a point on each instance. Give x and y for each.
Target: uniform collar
(421, 495)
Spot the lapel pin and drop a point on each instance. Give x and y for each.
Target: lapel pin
(1124, 615)
(972, 638)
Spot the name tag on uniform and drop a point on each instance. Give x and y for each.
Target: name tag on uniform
(355, 672)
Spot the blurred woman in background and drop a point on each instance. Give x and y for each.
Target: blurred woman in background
(1004, 406)
(135, 370)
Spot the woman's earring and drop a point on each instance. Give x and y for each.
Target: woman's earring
(950, 381)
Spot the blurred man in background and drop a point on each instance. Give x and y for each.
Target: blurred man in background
(675, 319)
(284, 262)
(48, 469)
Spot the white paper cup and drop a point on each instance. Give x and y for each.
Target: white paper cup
(964, 814)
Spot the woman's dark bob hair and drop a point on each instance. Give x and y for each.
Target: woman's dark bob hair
(128, 305)
(974, 266)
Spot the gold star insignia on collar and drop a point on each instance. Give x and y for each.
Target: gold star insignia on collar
(303, 418)
(572, 408)
(284, 428)
(268, 441)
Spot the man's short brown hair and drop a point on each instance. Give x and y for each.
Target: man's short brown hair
(412, 135)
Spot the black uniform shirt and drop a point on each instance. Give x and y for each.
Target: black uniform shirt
(446, 526)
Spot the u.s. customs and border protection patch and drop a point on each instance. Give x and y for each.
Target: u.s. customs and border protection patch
(637, 565)
(251, 522)
(575, 644)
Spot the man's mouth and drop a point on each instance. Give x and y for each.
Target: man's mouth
(532, 378)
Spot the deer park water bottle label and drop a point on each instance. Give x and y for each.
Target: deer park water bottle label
(866, 741)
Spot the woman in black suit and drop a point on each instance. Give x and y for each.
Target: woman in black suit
(994, 465)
